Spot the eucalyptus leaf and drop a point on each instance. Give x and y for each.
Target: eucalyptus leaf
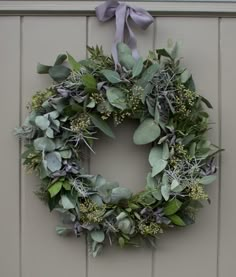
(49, 133)
(148, 74)
(119, 194)
(159, 167)
(59, 72)
(116, 98)
(97, 236)
(67, 203)
(44, 144)
(206, 180)
(147, 132)
(155, 155)
(138, 67)
(42, 69)
(102, 125)
(60, 59)
(42, 122)
(63, 231)
(53, 161)
(165, 191)
(112, 76)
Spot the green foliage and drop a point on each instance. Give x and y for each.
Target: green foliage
(95, 95)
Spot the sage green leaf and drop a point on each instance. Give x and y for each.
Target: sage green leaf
(177, 220)
(44, 144)
(165, 191)
(126, 226)
(172, 207)
(42, 69)
(53, 114)
(126, 60)
(75, 66)
(185, 76)
(91, 104)
(60, 59)
(166, 152)
(138, 67)
(98, 235)
(192, 149)
(123, 49)
(119, 194)
(148, 74)
(49, 133)
(55, 188)
(59, 72)
(116, 98)
(121, 216)
(155, 155)
(67, 203)
(112, 76)
(66, 154)
(89, 81)
(159, 167)
(206, 180)
(147, 198)
(147, 132)
(174, 184)
(63, 231)
(42, 122)
(151, 182)
(53, 161)
(157, 193)
(102, 125)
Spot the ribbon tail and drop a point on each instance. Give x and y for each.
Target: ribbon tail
(119, 35)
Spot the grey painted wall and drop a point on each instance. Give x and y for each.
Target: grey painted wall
(29, 246)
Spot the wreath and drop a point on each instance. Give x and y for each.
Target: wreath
(88, 97)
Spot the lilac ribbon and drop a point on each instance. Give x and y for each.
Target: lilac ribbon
(124, 33)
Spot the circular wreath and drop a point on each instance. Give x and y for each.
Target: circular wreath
(87, 97)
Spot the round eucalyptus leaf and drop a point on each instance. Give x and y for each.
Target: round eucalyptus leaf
(44, 144)
(42, 122)
(98, 236)
(53, 161)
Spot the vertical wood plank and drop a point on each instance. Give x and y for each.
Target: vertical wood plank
(43, 252)
(193, 251)
(120, 160)
(228, 137)
(9, 147)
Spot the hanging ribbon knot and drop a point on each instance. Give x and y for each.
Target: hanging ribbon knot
(123, 14)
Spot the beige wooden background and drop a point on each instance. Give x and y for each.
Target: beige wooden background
(29, 246)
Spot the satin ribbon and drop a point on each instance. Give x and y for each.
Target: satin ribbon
(123, 14)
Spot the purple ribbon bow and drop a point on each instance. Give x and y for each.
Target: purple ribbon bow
(123, 13)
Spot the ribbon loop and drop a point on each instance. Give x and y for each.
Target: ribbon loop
(124, 33)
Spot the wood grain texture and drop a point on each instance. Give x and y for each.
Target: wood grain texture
(120, 160)
(228, 191)
(193, 251)
(43, 252)
(9, 146)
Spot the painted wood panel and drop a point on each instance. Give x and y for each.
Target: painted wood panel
(228, 136)
(43, 252)
(120, 160)
(193, 251)
(9, 147)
